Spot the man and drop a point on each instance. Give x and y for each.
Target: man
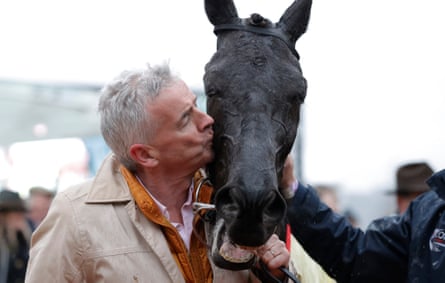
(401, 248)
(39, 202)
(133, 222)
(411, 182)
(15, 235)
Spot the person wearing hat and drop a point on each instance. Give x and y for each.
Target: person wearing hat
(411, 182)
(408, 247)
(15, 235)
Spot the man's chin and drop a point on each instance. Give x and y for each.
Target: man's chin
(206, 160)
(203, 159)
(211, 156)
(208, 154)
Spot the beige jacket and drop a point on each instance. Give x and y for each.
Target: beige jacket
(94, 232)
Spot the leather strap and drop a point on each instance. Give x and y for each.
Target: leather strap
(275, 32)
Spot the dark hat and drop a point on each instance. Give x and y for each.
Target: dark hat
(11, 201)
(411, 178)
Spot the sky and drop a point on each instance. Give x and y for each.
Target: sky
(375, 69)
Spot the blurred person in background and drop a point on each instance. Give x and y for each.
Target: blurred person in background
(15, 235)
(410, 183)
(328, 195)
(39, 201)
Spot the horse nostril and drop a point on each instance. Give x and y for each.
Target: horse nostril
(225, 203)
(275, 209)
(232, 204)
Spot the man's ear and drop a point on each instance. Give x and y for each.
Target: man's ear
(144, 155)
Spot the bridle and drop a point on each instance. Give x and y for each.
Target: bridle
(275, 32)
(197, 205)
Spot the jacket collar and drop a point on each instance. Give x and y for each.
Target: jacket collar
(109, 185)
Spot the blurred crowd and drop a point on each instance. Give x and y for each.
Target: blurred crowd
(18, 219)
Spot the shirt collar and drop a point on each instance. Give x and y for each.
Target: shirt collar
(162, 207)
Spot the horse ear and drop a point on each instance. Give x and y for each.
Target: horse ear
(296, 18)
(221, 11)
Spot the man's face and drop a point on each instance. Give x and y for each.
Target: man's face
(184, 134)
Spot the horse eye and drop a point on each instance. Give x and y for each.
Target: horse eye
(211, 92)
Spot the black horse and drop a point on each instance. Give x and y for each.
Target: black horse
(254, 87)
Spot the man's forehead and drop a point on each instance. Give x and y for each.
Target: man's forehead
(172, 100)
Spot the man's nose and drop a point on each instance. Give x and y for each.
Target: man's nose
(206, 121)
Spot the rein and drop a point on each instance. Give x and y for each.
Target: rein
(275, 32)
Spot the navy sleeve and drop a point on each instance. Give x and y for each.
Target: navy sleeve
(348, 254)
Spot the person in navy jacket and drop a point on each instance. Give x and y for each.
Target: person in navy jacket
(401, 248)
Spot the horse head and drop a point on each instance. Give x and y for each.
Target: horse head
(254, 87)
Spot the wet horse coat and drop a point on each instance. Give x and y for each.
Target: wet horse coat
(254, 87)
